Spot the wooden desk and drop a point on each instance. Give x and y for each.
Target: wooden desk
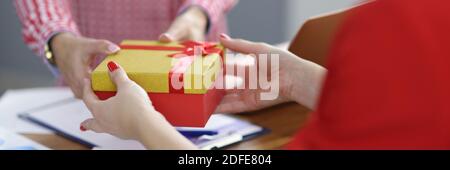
(283, 121)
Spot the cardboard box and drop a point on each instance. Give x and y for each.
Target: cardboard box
(181, 85)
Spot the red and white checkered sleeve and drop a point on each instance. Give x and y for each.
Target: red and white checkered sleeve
(41, 19)
(215, 9)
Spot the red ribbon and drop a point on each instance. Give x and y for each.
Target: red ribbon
(205, 48)
(188, 49)
(186, 57)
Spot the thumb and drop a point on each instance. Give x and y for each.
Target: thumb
(176, 32)
(118, 75)
(103, 47)
(166, 38)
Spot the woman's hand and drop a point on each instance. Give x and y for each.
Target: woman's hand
(130, 115)
(119, 115)
(191, 25)
(74, 56)
(299, 80)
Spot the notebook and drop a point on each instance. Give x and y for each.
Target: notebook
(64, 118)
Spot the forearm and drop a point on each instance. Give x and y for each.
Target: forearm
(157, 133)
(307, 83)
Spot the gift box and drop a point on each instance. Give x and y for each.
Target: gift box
(180, 78)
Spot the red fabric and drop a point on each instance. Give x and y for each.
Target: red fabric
(388, 85)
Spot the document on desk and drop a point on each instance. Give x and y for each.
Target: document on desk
(14, 102)
(12, 141)
(65, 120)
(230, 130)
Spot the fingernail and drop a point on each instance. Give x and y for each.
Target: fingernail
(224, 36)
(82, 128)
(113, 48)
(112, 66)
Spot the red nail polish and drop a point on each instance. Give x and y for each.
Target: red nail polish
(112, 66)
(225, 36)
(82, 128)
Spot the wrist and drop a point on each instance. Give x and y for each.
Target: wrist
(59, 42)
(148, 124)
(292, 90)
(307, 83)
(155, 132)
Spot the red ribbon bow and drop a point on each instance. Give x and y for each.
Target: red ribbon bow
(187, 57)
(205, 48)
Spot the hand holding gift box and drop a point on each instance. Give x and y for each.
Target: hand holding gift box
(180, 78)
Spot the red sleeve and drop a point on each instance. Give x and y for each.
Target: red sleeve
(41, 19)
(388, 83)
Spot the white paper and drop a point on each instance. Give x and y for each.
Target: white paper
(215, 122)
(67, 118)
(14, 102)
(13, 141)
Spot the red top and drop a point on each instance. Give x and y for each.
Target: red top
(388, 85)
